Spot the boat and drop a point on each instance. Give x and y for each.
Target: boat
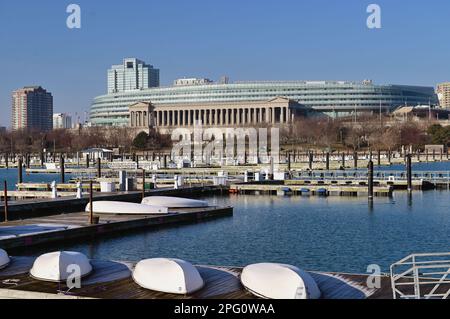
(173, 276)
(124, 208)
(174, 202)
(58, 266)
(279, 281)
(4, 259)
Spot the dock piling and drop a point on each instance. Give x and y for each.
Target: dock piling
(19, 171)
(5, 194)
(99, 167)
(328, 161)
(87, 160)
(143, 183)
(288, 161)
(355, 160)
(62, 168)
(91, 204)
(370, 181)
(409, 172)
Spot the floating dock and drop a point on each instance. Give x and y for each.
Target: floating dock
(70, 204)
(45, 230)
(112, 280)
(320, 190)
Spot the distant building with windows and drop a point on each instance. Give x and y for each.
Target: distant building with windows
(62, 121)
(32, 109)
(443, 92)
(2, 129)
(131, 75)
(192, 81)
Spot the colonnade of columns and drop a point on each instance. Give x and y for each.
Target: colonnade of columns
(140, 119)
(223, 117)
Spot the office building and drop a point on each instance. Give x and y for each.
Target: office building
(131, 75)
(62, 121)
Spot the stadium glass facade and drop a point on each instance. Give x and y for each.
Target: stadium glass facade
(332, 98)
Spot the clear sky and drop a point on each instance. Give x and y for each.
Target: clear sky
(244, 39)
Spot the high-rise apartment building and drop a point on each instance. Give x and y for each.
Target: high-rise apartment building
(62, 121)
(131, 75)
(443, 92)
(32, 109)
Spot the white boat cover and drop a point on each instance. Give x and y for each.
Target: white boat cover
(124, 208)
(174, 202)
(172, 276)
(278, 281)
(4, 259)
(57, 266)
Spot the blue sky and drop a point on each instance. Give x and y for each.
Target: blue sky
(246, 40)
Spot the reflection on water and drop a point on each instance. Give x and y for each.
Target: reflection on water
(329, 234)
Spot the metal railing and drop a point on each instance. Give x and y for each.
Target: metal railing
(421, 276)
(379, 175)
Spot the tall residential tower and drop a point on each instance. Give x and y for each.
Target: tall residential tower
(443, 91)
(32, 109)
(131, 75)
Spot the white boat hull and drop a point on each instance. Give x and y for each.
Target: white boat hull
(4, 259)
(123, 208)
(278, 281)
(58, 266)
(174, 202)
(172, 276)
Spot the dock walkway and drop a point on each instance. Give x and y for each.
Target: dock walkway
(112, 280)
(44, 230)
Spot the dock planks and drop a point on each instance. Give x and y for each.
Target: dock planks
(220, 283)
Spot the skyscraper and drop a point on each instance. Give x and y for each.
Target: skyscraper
(32, 109)
(133, 74)
(62, 121)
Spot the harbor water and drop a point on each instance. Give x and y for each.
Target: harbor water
(342, 234)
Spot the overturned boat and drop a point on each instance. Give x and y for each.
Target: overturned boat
(58, 266)
(174, 202)
(279, 281)
(124, 208)
(166, 275)
(4, 259)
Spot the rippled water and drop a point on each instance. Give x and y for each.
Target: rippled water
(11, 176)
(330, 234)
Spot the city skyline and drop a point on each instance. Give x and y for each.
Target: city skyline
(183, 41)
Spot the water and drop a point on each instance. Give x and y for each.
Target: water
(436, 166)
(10, 175)
(329, 234)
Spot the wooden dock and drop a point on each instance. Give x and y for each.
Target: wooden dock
(44, 230)
(307, 189)
(112, 280)
(69, 204)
